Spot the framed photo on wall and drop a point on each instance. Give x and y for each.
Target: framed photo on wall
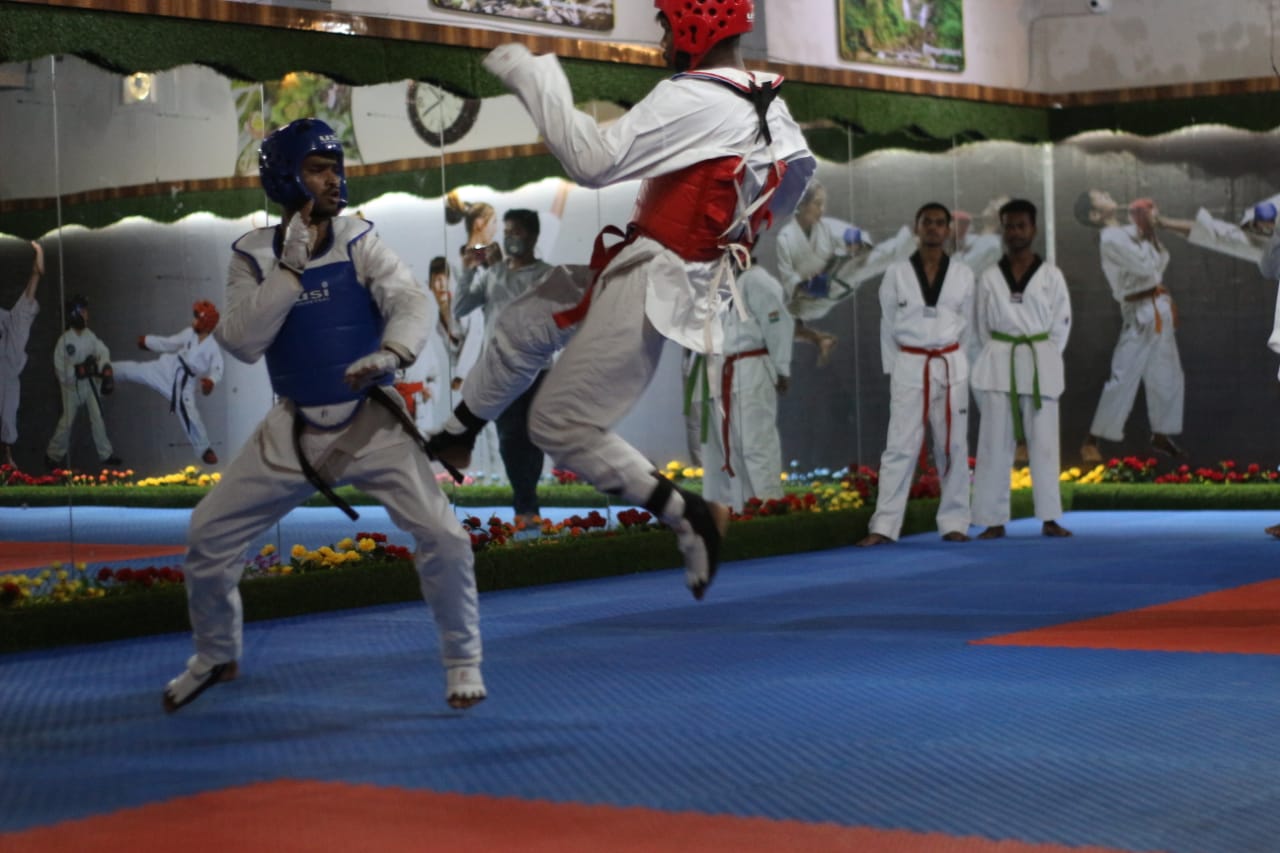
(582, 14)
(910, 33)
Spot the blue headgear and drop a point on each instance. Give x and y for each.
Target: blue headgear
(281, 155)
(1264, 211)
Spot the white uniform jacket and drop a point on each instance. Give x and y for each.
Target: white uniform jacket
(1043, 306)
(202, 358)
(802, 256)
(15, 331)
(907, 321)
(1132, 265)
(768, 326)
(260, 294)
(72, 349)
(680, 123)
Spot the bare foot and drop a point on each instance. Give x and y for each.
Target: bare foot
(955, 536)
(826, 346)
(1020, 454)
(995, 531)
(872, 539)
(1053, 528)
(1273, 530)
(1090, 454)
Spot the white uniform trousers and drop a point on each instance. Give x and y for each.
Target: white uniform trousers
(902, 450)
(80, 393)
(160, 377)
(1143, 355)
(255, 492)
(600, 375)
(10, 394)
(995, 458)
(524, 340)
(755, 449)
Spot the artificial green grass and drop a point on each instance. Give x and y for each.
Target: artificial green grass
(185, 497)
(163, 609)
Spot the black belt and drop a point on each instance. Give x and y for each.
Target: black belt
(380, 396)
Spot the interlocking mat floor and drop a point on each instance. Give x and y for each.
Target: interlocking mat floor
(1117, 691)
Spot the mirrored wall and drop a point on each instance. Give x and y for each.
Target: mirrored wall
(135, 186)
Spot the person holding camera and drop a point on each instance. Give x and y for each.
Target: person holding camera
(82, 364)
(491, 282)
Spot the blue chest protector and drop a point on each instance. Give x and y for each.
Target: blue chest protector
(334, 322)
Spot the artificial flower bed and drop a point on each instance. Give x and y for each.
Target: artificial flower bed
(63, 605)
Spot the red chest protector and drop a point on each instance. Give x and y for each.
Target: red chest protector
(691, 211)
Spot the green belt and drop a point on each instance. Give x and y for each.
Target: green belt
(1030, 341)
(698, 370)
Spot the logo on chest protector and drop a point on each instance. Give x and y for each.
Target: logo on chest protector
(316, 295)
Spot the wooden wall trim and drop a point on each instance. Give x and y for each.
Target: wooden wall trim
(253, 14)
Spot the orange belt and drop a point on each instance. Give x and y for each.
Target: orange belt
(408, 390)
(930, 355)
(1153, 294)
(726, 390)
(601, 257)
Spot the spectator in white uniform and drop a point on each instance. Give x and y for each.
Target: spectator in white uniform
(1023, 320)
(742, 452)
(926, 306)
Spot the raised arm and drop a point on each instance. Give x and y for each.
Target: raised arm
(37, 270)
(593, 157)
(255, 311)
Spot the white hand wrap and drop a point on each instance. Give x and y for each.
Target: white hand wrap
(371, 368)
(298, 239)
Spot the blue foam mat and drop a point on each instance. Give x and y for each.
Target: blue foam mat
(839, 686)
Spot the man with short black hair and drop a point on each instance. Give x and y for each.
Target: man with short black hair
(925, 303)
(1023, 320)
(492, 282)
(335, 312)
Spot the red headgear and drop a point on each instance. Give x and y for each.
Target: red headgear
(206, 316)
(698, 25)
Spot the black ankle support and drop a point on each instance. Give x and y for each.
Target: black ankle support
(658, 499)
(469, 420)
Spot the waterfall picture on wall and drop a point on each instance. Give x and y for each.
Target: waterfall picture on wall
(583, 14)
(913, 33)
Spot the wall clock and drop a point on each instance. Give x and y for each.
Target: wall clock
(439, 116)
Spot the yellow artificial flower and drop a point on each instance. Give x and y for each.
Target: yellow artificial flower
(366, 544)
(674, 466)
(298, 552)
(286, 570)
(346, 544)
